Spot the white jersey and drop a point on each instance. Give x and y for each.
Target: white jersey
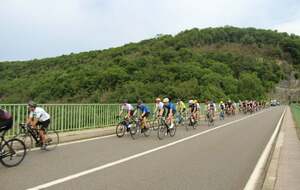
(198, 106)
(127, 107)
(40, 114)
(160, 106)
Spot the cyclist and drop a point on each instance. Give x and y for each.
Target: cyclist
(38, 117)
(171, 110)
(128, 108)
(145, 113)
(193, 108)
(211, 108)
(180, 106)
(222, 106)
(6, 120)
(198, 109)
(159, 107)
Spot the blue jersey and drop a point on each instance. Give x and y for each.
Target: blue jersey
(143, 108)
(170, 106)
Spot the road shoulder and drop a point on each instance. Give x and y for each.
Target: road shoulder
(284, 168)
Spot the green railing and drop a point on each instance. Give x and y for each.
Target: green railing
(70, 117)
(73, 117)
(296, 113)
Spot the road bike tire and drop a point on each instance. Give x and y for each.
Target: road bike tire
(52, 140)
(162, 129)
(12, 153)
(172, 131)
(155, 124)
(133, 131)
(27, 139)
(194, 124)
(120, 130)
(147, 131)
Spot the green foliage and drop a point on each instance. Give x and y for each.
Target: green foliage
(212, 63)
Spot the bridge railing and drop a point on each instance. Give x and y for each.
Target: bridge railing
(72, 117)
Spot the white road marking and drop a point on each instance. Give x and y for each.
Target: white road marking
(86, 172)
(260, 165)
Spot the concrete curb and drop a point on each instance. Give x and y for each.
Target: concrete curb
(271, 176)
(257, 177)
(86, 134)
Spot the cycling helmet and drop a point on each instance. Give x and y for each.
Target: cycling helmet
(191, 101)
(139, 102)
(32, 104)
(166, 100)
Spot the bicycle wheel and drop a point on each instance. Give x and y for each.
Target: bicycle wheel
(52, 140)
(120, 130)
(27, 139)
(194, 124)
(172, 131)
(209, 120)
(161, 132)
(133, 131)
(12, 152)
(191, 123)
(155, 124)
(147, 131)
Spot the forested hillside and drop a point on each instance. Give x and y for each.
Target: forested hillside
(212, 63)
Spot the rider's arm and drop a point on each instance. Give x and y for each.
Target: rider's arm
(128, 113)
(143, 114)
(120, 113)
(30, 119)
(161, 112)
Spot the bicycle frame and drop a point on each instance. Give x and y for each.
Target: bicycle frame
(33, 132)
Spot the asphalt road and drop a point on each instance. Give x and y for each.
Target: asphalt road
(223, 159)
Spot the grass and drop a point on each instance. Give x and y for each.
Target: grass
(296, 115)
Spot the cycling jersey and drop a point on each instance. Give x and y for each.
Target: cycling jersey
(198, 106)
(193, 107)
(170, 106)
(4, 115)
(127, 107)
(40, 114)
(181, 106)
(160, 106)
(222, 106)
(143, 108)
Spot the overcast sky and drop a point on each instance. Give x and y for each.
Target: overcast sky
(44, 28)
